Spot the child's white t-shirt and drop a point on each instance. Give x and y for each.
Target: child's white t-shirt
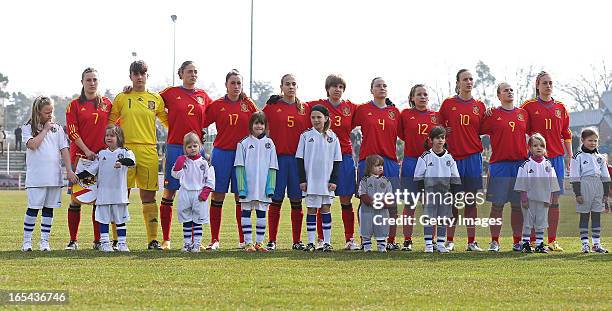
(44, 168)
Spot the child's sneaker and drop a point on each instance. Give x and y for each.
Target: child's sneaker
(96, 245)
(555, 247)
(165, 245)
(429, 248)
(367, 248)
(407, 245)
(493, 246)
(122, 247)
(213, 246)
(186, 248)
(26, 246)
(260, 248)
(473, 247)
(72, 246)
(351, 245)
(115, 244)
(242, 245)
(526, 248)
(383, 248)
(517, 247)
(153, 245)
(44, 246)
(249, 248)
(597, 248)
(442, 249)
(320, 245)
(450, 246)
(586, 248)
(271, 246)
(310, 247)
(196, 248)
(106, 247)
(299, 246)
(393, 246)
(327, 247)
(541, 248)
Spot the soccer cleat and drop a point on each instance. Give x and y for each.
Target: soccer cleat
(393, 246)
(351, 245)
(186, 248)
(586, 248)
(250, 248)
(299, 246)
(122, 247)
(241, 245)
(526, 248)
(154, 245)
(493, 246)
(555, 247)
(271, 246)
(26, 246)
(165, 245)
(407, 245)
(107, 247)
(96, 245)
(597, 248)
(429, 248)
(260, 248)
(115, 243)
(517, 247)
(44, 246)
(450, 245)
(541, 248)
(473, 247)
(72, 246)
(442, 249)
(310, 247)
(327, 247)
(213, 246)
(367, 248)
(319, 245)
(196, 248)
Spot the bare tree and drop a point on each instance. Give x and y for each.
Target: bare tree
(524, 88)
(484, 82)
(439, 94)
(587, 90)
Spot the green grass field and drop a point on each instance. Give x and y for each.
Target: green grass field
(232, 279)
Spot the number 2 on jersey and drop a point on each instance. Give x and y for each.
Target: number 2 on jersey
(190, 112)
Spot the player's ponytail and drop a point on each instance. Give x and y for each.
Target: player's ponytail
(82, 98)
(411, 102)
(537, 83)
(457, 82)
(39, 103)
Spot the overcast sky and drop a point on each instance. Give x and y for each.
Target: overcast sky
(47, 44)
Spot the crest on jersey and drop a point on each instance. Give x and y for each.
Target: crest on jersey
(448, 163)
(558, 113)
(120, 156)
(392, 115)
(475, 109)
(301, 111)
(346, 111)
(151, 105)
(521, 117)
(53, 129)
(382, 185)
(547, 169)
(200, 100)
(434, 119)
(268, 145)
(330, 140)
(599, 160)
(244, 107)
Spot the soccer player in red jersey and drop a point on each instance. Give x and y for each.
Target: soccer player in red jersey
(287, 118)
(462, 116)
(341, 114)
(550, 118)
(416, 122)
(231, 114)
(185, 105)
(380, 126)
(507, 127)
(86, 119)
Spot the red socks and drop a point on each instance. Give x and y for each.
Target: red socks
(348, 219)
(215, 219)
(165, 213)
(470, 212)
(74, 218)
(450, 230)
(516, 221)
(553, 222)
(297, 217)
(495, 229)
(274, 219)
(239, 221)
(408, 228)
(319, 225)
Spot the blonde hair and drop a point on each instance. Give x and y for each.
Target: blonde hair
(537, 83)
(191, 137)
(118, 132)
(39, 103)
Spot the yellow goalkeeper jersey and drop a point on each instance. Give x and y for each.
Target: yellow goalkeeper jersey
(135, 112)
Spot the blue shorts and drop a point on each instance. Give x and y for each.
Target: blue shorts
(558, 164)
(470, 170)
(500, 185)
(173, 151)
(346, 176)
(287, 178)
(391, 171)
(408, 167)
(223, 162)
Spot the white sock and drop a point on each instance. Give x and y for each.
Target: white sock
(260, 226)
(311, 227)
(187, 229)
(29, 223)
(327, 222)
(197, 234)
(247, 227)
(45, 224)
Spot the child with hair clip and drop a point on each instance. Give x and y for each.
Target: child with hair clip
(111, 168)
(373, 185)
(197, 180)
(47, 147)
(256, 166)
(318, 156)
(436, 172)
(536, 181)
(590, 179)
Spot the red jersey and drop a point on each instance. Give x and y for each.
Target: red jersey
(507, 130)
(231, 119)
(416, 126)
(88, 123)
(380, 128)
(185, 112)
(286, 124)
(552, 121)
(464, 118)
(341, 121)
